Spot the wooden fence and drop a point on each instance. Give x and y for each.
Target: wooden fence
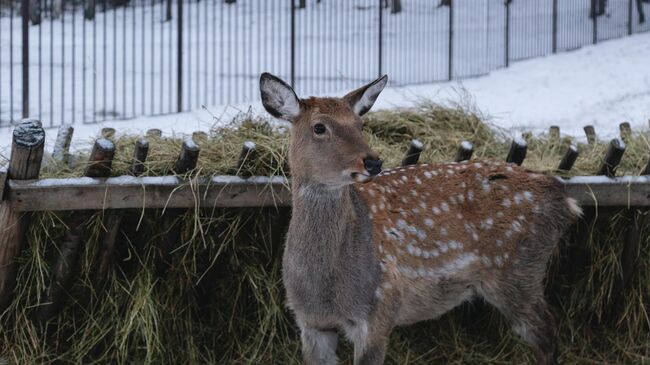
(22, 191)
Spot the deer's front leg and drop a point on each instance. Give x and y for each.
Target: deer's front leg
(318, 347)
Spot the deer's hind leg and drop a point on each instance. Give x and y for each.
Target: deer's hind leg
(318, 346)
(518, 293)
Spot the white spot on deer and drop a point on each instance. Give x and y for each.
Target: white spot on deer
(478, 165)
(516, 226)
(499, 243)
(371, 192)
(404, 178)
(414, 193)
(428, 222)
(528, 196)
(475, 236)
(418, 181)
(382, 206)
(454, 266)
(470, 195)
(391, 258)
(518, 198)
(499, 214)
(461, 198)
(444, 206)
(423, 205)
(435, 210)
(487, 223)
(521, 217)
(486, 261)
(443, 231)
(378, 294)
(373, 208)
(427, 174)
(497, 261)
(370, 216)
(506, 203)
(421, 234)
(485, 185)
(509, 169)
(463, 185)
(452, 200)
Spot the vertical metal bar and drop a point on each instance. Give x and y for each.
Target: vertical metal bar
(40, 57)
(381, 36)
(11, 62)
(554, 26)
(450, 73)
(83, 64)
(293, 44)
(25, 23)
(507, 35)
(594, 22)
(629, 17)
(74, 58)
(62, 63)
(179, 58)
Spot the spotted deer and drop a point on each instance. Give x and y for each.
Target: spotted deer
(368, 250)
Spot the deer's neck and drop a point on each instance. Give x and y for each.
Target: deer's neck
(321, 218)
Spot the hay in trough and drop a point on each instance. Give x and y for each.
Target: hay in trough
(220, 300)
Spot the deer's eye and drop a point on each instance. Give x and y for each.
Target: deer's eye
(319, 128)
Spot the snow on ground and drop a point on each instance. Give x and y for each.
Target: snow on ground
(601, 85)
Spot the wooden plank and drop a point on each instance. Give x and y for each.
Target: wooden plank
(153, 192)
(600, 191)
(124, 192)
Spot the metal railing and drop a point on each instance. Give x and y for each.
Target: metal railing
(71, 61)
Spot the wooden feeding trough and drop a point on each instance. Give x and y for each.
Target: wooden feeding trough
(22, 191)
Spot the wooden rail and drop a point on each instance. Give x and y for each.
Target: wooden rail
(126, 192)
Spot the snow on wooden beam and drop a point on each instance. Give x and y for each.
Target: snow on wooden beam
(257, 191)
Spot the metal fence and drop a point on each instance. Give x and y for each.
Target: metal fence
(72, 61)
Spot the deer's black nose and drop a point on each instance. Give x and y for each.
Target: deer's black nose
(372, 166)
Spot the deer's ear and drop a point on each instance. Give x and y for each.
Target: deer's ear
(278, 98)
(362, 99)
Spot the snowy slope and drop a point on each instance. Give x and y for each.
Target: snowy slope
(601, 85)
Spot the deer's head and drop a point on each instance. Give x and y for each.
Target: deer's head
(327, 145)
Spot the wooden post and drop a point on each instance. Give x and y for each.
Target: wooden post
(154, 133)
(108, 132)
(139, 156)
(590, 132)
(465, 151)
(101, 158)
(413, 154)
(518, 150)
(186, 162)
(188, 157)
(62, 275)
(248, 153)
(626, 130)
(554, 132)
(569, 158)
(24, 164)
(61, 150)
(612, 158)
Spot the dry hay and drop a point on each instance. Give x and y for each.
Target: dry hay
(221, 300)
